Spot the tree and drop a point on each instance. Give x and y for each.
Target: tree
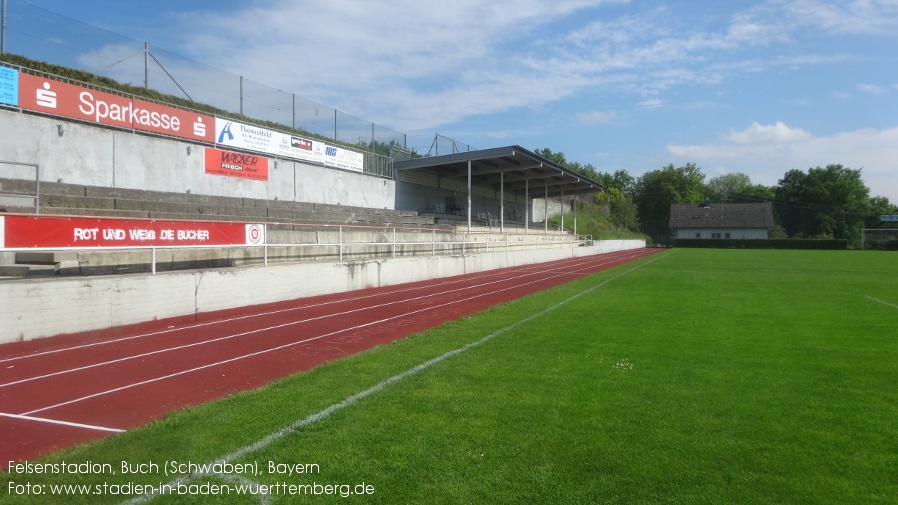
(655, 191)
(824, 202)
(754, 194)
(724, 188)
(559, 159)
(880, 206)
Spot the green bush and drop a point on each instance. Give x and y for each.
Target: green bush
(785, 243)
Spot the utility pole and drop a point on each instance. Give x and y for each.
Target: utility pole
(3, 30)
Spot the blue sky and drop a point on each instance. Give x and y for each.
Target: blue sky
(758, 87)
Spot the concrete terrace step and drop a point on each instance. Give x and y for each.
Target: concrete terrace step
(21, 271)
(71, 199)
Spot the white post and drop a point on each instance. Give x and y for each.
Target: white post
(154, 261)
(469, 195)
(526, 206)
(561, 228)
(501, 202)
(341, 244)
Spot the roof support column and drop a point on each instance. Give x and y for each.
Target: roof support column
(546, 208)
(561, 229)
(575, 215)
(502, 202)
(526, 206)
(469, 195)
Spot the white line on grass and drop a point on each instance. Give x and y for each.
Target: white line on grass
(290, 429)
(882, 302)
(64, 423)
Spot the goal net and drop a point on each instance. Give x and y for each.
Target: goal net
(881, 239)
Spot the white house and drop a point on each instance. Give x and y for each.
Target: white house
(722, 220)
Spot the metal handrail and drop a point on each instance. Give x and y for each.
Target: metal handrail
(448, 247)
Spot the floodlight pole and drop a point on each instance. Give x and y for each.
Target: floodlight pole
(3, 29)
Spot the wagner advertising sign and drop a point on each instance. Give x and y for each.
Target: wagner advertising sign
(247, 166)
(49, 96)
(24, 232)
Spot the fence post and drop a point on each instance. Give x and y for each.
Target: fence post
(154, 260)
(394, 242)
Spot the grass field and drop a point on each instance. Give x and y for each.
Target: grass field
(692, 376)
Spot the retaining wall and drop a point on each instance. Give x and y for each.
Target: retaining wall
(46, 307)
(92, 156)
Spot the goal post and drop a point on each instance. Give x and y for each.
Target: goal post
(880, 239)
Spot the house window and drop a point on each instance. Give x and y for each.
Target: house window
(715, 235)
(698, 235)
(727, 235)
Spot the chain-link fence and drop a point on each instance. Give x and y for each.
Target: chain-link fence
(42, 35)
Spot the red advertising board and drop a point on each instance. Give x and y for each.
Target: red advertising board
(25, 232)
(49, 96)
(247, 166)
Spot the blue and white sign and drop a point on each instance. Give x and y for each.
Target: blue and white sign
(9, 86)
(887, 217)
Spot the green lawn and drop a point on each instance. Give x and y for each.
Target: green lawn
(701, 376)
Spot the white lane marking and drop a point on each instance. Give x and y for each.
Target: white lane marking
(290, 429)
(291, 323)
(290, 309)
(283, 346)
(882, 302)
(55, 421)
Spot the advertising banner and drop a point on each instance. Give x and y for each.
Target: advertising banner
(247, 166)
(22, 232)
(253, 138)
(49, 96)
(9, 86)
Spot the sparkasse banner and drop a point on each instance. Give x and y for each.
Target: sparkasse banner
(49, 96)
(26, 232)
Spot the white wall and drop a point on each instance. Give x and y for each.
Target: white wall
(735, 233)
(95, 156)
(35, 308)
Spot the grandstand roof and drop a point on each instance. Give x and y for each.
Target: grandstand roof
(513, 167)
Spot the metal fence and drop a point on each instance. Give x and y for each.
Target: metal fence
(42, 35)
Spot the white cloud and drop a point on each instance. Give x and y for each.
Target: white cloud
(766, 152)
(654, 103)
(871, 89)
(420, 64)
(777, 133)
(595, 117)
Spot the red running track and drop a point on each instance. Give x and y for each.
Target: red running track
(61, 391)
